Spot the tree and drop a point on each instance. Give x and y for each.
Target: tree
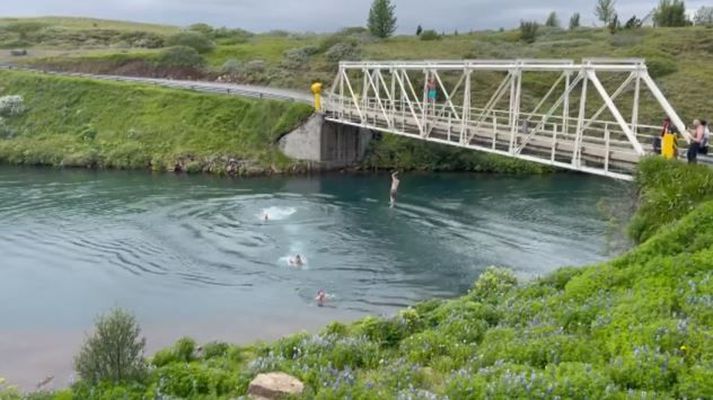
(605, 11)
(704, 16)
(670, 13)
(574, 22)
(382, 19)
(528, 31)
(614, 24)
(419, 29)
(115, 352)
(552, 20)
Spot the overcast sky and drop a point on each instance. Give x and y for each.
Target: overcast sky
(326, 15)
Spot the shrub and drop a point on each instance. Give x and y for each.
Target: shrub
(146, 40)
(231, 66)
(298, 58)
(343, 51)
(205, 29)
(215, 349)
(493, 283)
(196, 40)
(430, 34)
(528, 31)
(180, 57)
(11, 106)
(114, 352)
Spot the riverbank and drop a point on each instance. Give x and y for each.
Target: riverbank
(75, 122)
(71, 122)
(639, 325)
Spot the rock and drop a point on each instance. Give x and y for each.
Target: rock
(274, 385)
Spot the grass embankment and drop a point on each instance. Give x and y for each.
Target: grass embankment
(639, 326)
(82, 123)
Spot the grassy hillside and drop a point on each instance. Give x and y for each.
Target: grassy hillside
(76, 122)
(639, 326)
(79, 23)
(680, 59)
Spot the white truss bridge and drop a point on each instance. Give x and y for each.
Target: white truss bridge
(599, 116)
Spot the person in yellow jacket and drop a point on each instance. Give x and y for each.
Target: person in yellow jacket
(669, 147)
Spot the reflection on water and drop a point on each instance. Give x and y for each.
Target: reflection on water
(195, 255)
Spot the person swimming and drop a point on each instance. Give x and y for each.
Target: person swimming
(321, 297)
(266, 217)
(394, 188)
(296, 261)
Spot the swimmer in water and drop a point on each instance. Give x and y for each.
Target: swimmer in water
(321, 297)
(296, 261)
(266, 217)
(394, 188)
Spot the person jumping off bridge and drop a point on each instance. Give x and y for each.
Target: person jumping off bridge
(394, 188)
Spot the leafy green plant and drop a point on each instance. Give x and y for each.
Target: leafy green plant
(114, 352)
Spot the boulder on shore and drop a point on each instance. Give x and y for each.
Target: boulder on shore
(273, 386)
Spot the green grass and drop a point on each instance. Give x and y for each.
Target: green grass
(639, 326)
(78, 122)
(79, 23)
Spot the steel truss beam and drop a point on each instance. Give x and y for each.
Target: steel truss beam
(388, 101)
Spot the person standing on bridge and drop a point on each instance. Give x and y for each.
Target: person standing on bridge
(432, 92)
(696, 140)
(394, 188)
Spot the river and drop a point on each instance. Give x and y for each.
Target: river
(191, 255)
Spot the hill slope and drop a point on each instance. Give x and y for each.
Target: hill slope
(80, 122)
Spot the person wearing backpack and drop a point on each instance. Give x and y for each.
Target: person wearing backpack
(706, 135)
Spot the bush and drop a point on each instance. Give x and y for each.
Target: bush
(430, 34)
(146, 40)
(114, 352)
(231, 67)
(493, 283)
(343, 51)
(528, 31)
(299, 58)
(196, 40)
(180, 57)
(205, 29)
(11, 106)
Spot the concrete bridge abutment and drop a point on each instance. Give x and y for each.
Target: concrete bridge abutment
(330, 144)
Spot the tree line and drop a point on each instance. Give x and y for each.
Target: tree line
(668, 13)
